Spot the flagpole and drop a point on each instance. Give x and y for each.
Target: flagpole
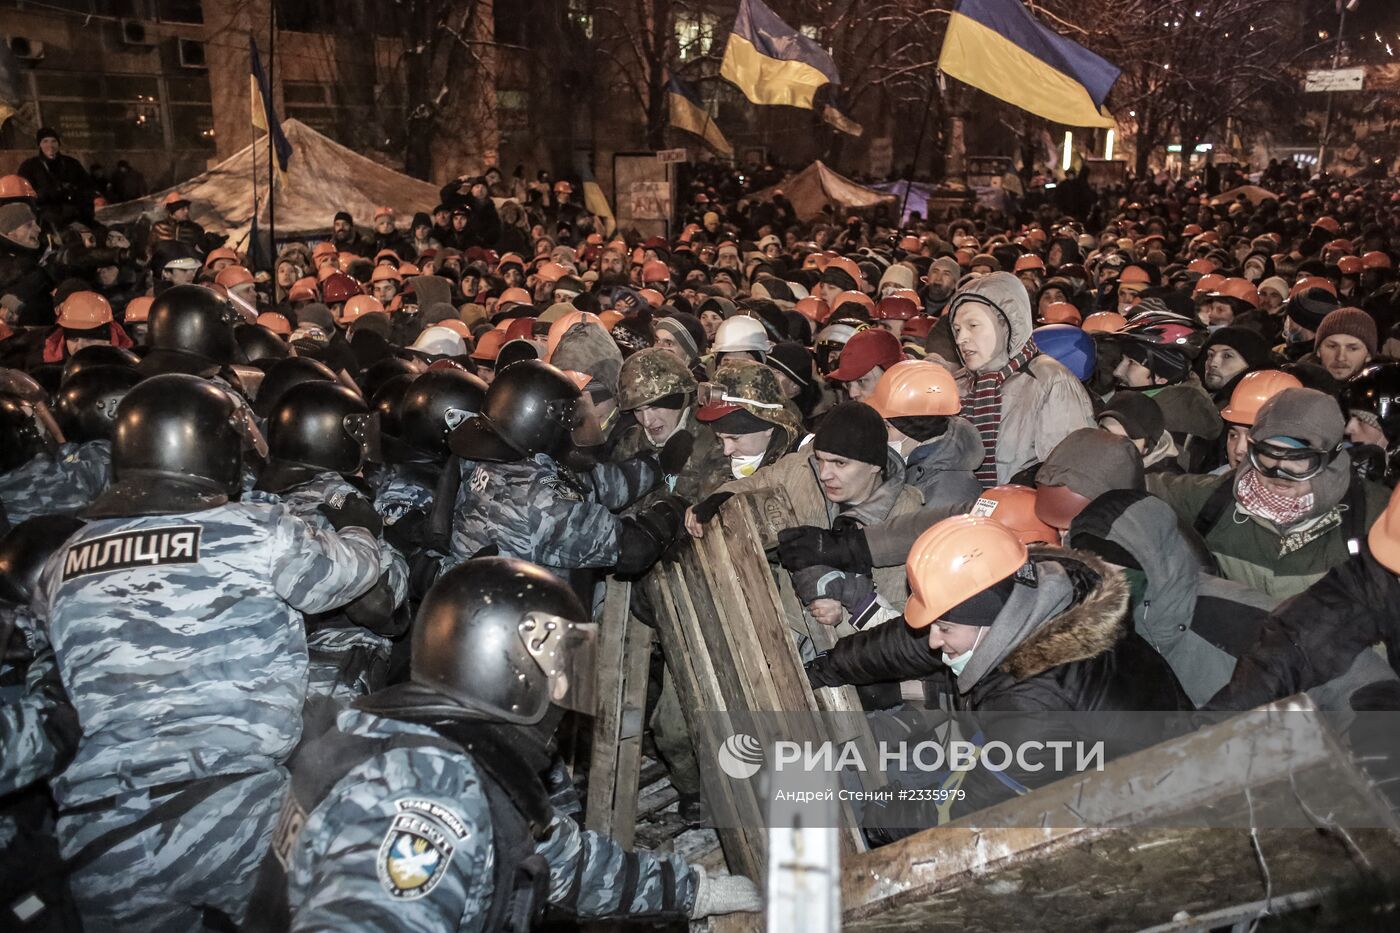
(918, 149)
(271, 152)
(253, 150)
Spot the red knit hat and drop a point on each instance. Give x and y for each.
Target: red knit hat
(1353, 322)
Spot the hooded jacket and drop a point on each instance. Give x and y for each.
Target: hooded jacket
(942, 469)
(1252, 550)
(1039, 405)
(1063, 645)
(1197, 622)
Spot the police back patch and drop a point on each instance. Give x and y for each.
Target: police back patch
(143, 547)
(413, 857)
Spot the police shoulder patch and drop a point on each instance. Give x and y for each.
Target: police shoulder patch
(414, 856)
(563, 489)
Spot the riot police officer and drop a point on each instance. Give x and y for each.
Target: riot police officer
(41, 471)
(423, 807)
(175, 619)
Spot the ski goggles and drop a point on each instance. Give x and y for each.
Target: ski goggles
(1279, 461)
(715, 393)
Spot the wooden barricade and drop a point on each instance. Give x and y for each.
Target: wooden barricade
(724, 629)
(624, 654)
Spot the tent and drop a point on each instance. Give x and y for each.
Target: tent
(322, 178)
(1251, 193)
(816, 186)
(917, 198)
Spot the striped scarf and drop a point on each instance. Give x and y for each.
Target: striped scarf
(982, 406)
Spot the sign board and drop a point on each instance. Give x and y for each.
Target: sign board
(881, 156)
(673, 155)
(644, 193)
(1334, 79)
(649, 200)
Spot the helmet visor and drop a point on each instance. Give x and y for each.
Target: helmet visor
(566, 652)
(247, 426)
(365, 430)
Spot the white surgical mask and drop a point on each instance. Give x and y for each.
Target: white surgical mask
(957, 664)
(744, 466)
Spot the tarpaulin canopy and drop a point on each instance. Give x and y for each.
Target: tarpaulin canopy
(1252, 193)
(816, 186)
(918, 195)
(323, 177)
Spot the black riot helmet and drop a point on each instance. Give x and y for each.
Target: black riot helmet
(382, 370)
(98, 354)
(177, 447)
(319, 427)
(86, 404)
(190, 330)
(386, 402)
(284, 374)
(501, 639)
(1376, 391)
(25, 550)
(257, 344)
(21, 436)
(531, 408)
(436, 403)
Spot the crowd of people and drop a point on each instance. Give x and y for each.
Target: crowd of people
(302, 566)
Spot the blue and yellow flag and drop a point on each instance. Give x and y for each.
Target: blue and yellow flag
(264, 116)
(771, 62)
(688, 113)
(997, 46)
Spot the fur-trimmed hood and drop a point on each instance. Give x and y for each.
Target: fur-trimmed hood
(1094, 622)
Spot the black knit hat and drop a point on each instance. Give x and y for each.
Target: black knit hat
(1249, 344)
(343, 215)
(1307, 309)
(855, 431)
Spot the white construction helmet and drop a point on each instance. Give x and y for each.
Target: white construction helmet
(742, 334)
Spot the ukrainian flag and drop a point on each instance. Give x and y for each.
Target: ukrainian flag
(689, 114)
(263, 115)
(771, 62)
(999, 47)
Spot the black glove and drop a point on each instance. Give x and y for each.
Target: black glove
(706, 509)
(354, 512)
(676, 454)
(808, 546)
(664, 519)
(647, 536)
(410, 532)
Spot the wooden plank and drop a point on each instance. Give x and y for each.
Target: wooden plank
(1032, 864)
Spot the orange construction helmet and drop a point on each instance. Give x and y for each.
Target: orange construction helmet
(550, 272)
(1329, 224)
(1191, 230)
(457, 326)
(174, 199)
(1014, 507)
(848, 266)
(16, 186)
(911, 244)
(488, 347)
(1312, 281)
(1202, 265)
(813, 309)
(223, 252)
(610, 318)
(1062, 312)
(654, 270)
(915, 388)
(896, 308)
(859, 298)
(559, 328)
(1207, 284)
(231, 276)
(1029, 261)
(322, 251)
(84, 311)
(385, 273)
(652, 297)
(1134, 275)
(1237, 289)
(520, 329)
(513, 296)
(303, 290)
(1339, 244)
(1374, 259)
(358, 306)
(1253, 391)
(954, 561)
(407, 269)
(274, 322)
(138, 310)
(1104, 322)
(1384, 537)
(326, 270)
(1350, 265)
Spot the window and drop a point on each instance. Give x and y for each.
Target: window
(180, 11)
(695, 33)
(103, 112)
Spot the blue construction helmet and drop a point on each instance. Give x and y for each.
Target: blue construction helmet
(1070, 345)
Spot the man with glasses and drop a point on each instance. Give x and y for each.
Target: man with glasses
(1292, 510)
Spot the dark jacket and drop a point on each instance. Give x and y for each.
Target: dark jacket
(1318, 634)
(22, 275)
(64, 188)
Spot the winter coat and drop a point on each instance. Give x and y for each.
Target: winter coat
(942, 469)
(1191, 418)
(796, 475)
(1319, 634)
(701, 474)
(1253, 551)
(23, 275)
(1062, 645)
(65, 190)
(1042, 403)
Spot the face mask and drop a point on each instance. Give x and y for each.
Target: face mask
(1212, 328)
(956, 665)
(1298, 336)
(744, 466)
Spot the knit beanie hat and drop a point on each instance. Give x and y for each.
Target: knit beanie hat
(1352, 322)
(1307, 309)
(14, 215)
(345, 216)
(793, 360)
(855, 431)
(1139, 414)
(1249, 344)
(1276, 284)
(1305, 415)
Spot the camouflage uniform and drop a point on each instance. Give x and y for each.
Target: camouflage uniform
(29, 753)
(64, 483)
(540, 511)
(405, 841)
(180, 643)
(346, 660)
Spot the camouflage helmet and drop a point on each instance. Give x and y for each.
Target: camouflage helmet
(753, 387)
(650, 374)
